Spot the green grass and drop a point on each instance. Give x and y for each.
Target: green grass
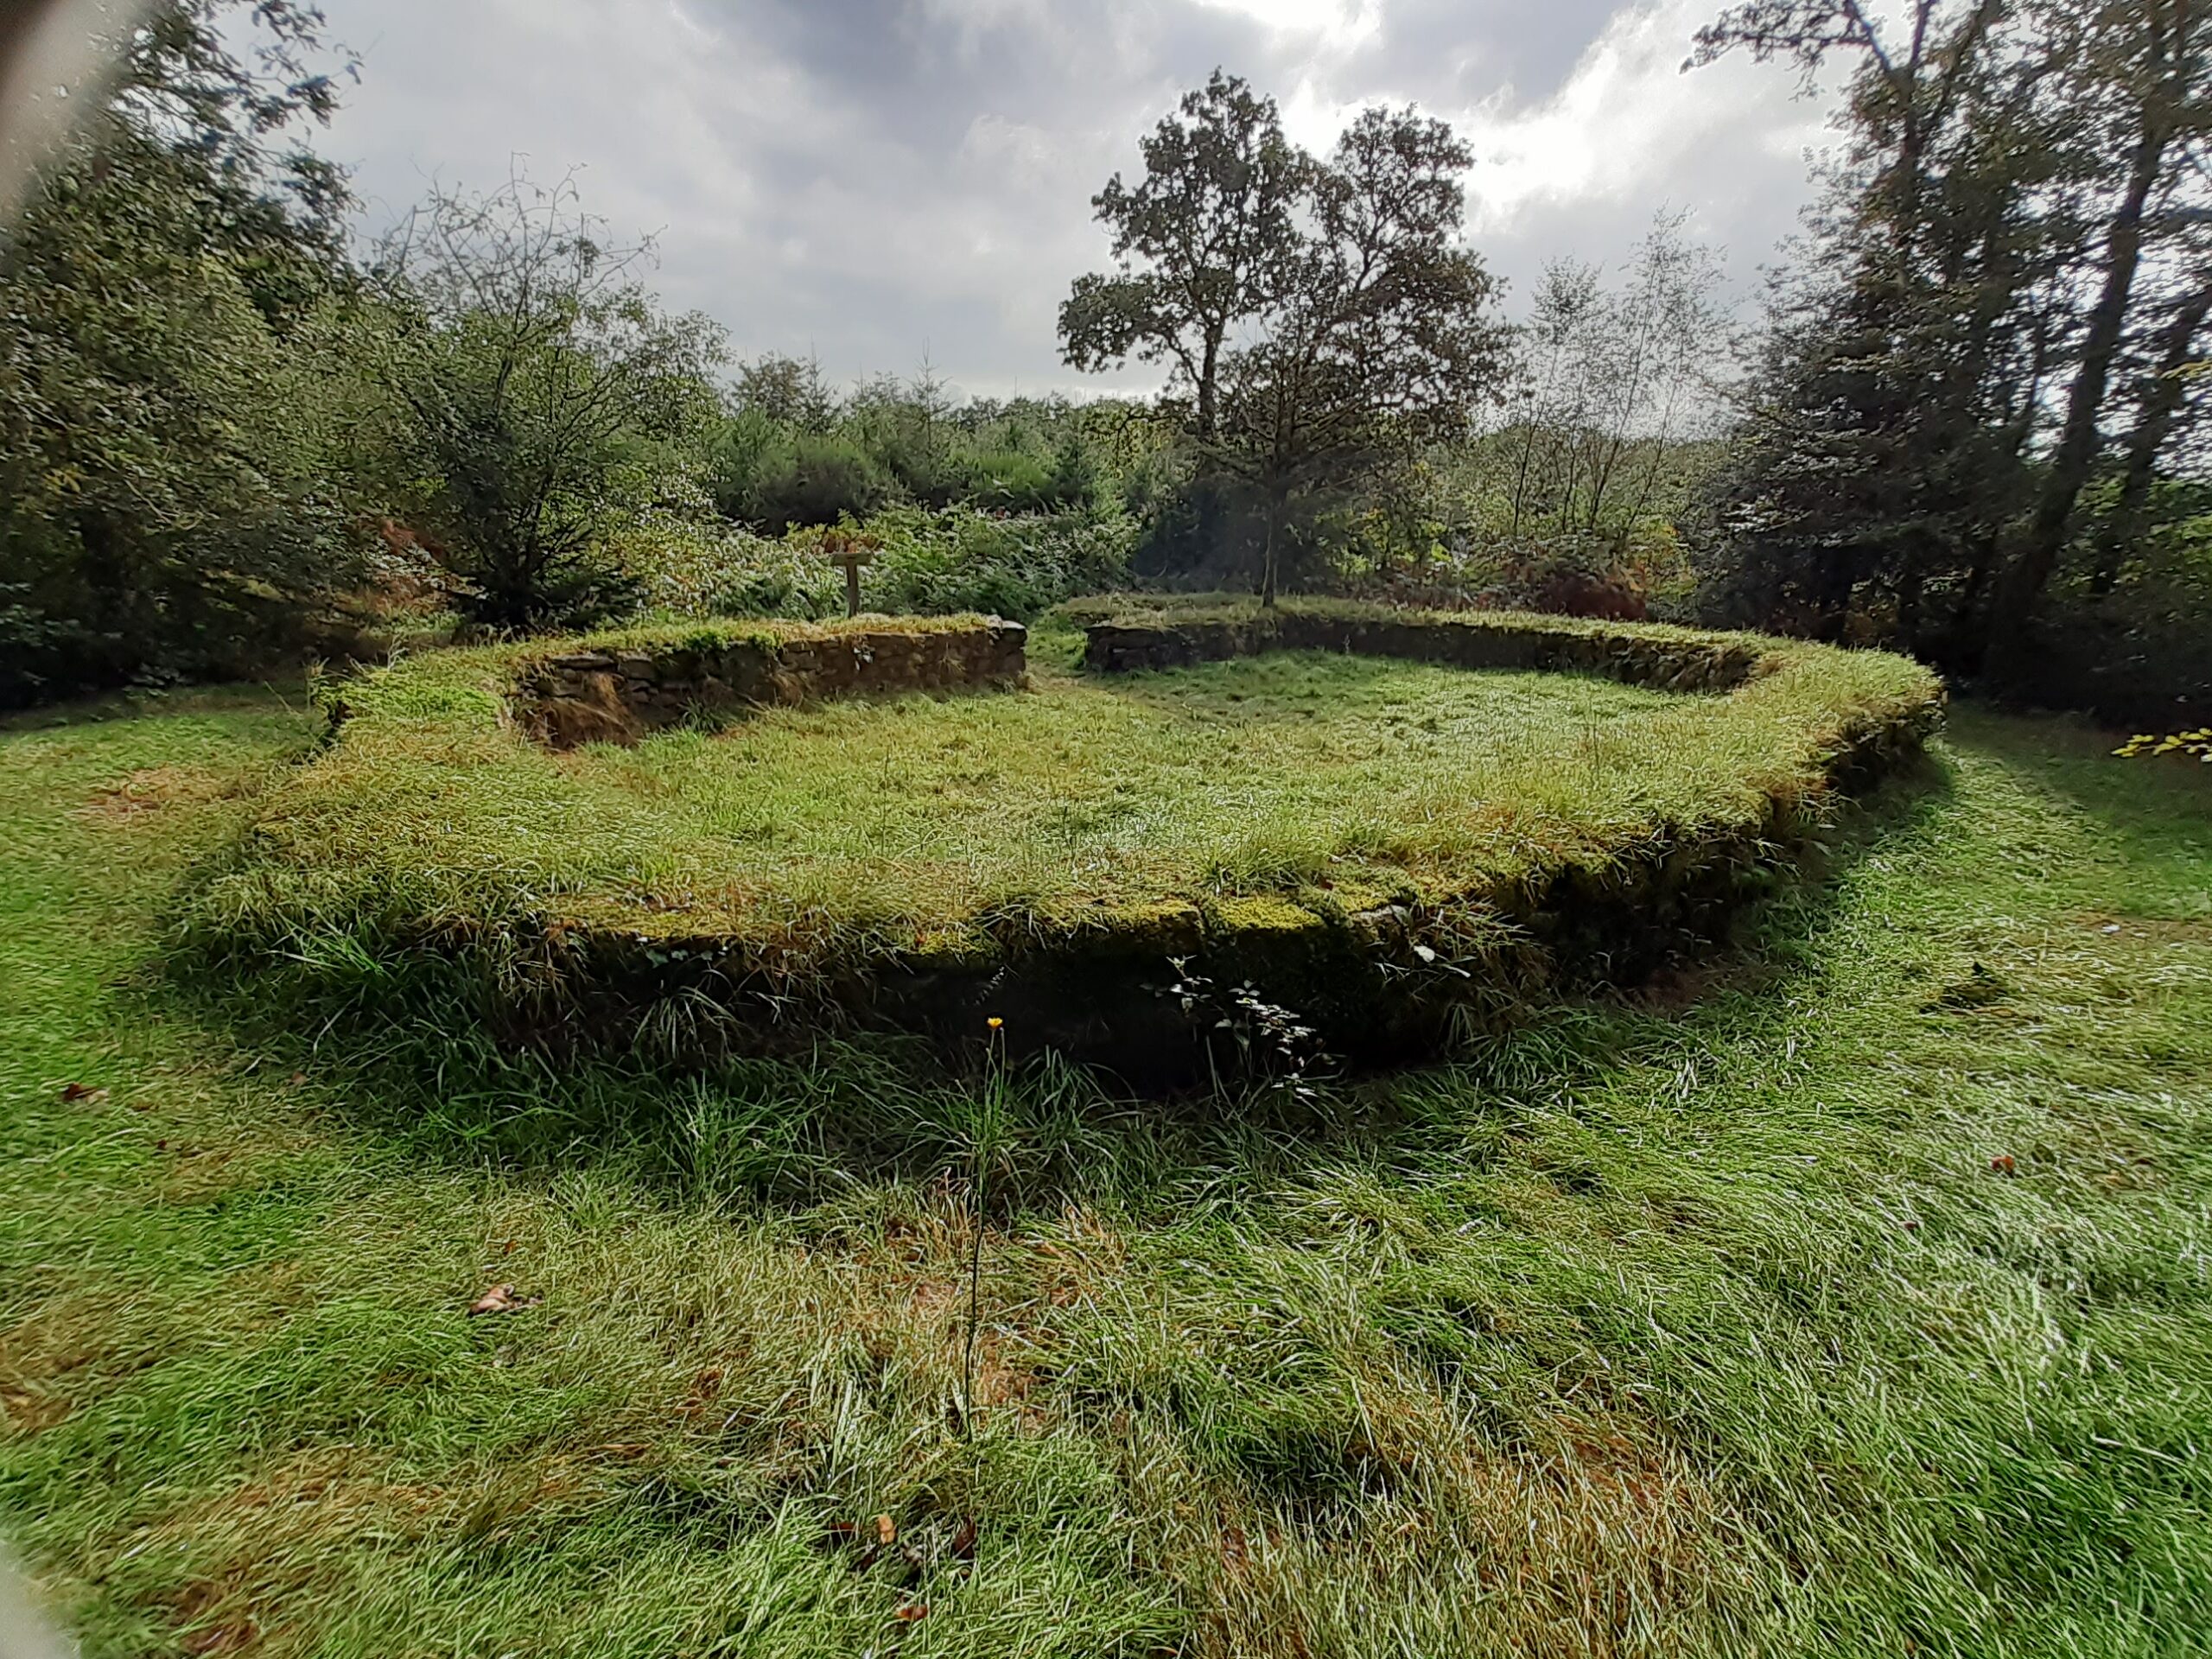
(1703, 1326)
(1330, 781)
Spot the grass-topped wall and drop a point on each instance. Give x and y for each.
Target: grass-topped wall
(1181, 631)
(619, 687)
(1153, 870)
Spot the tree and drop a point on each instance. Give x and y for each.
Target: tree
(533, 382)
(2002, 264)
(2158, 411)
(2151, 59)
(164, 384)
(788, 391)
(1200, 241)
(1610, 383)
(1380, 337)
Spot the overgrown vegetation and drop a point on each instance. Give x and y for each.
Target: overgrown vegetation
(1973, 420)
(1412, 821)
(1857, 1302)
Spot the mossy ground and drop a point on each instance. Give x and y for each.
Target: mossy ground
(946, 825)
(1693, 1327)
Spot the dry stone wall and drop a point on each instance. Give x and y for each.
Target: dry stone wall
(1473, 642)
(620, 693)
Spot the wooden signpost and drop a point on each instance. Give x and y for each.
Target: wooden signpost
(850, 550)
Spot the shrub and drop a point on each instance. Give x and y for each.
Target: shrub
(1014, 481)
(163, 448)
(814, 477)
(536, 397)
(930, 564)
(961, 560)
(685, 568)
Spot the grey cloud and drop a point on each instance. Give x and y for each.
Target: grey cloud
(1450, 52)
(874, 180)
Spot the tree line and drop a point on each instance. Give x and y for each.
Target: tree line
(1969, 425)
(1976, 429)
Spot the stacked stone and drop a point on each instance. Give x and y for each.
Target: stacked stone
(616, 696)
(1674, 665)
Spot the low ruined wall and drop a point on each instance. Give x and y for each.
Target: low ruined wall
(1469, 642)
(620, 693)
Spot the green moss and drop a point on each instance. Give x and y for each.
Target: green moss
(1261, 918)
(1263, 805)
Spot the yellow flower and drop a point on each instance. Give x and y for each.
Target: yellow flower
(995, 1022)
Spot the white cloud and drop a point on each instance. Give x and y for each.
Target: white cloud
(1337, 23)
(1629, 126)
(878, 179)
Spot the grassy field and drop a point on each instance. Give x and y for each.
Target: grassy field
(888, 821)
(1850, 1296)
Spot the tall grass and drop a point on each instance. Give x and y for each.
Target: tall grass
(1698, 1324)
(843, 833)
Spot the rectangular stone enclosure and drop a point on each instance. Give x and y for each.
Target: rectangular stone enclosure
(1476, 640)
(620, 693)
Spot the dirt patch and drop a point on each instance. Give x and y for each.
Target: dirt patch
(155, 789)
(28, 1409)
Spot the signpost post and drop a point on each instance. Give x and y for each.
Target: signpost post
(851, 551)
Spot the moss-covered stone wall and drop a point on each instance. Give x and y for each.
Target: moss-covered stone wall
(1140, 641)
(619, 692)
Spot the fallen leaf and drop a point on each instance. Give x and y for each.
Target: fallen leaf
(502, 1299)
(2002, 1163)
(912, 1611)
(74, 1092)
(963, 1541)
(886, 1531)
(297, 1078)
(507, 1249)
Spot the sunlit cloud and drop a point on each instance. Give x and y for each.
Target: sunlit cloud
(882, 178)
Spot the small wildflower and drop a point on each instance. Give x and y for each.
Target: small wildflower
(995, 1022)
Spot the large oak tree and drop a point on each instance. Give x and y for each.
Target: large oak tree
(1322, 314)
(1203, 242)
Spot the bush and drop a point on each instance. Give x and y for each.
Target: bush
(929, 563)
(814, 477)
(162, 512)
(687, 568)
(963, 559)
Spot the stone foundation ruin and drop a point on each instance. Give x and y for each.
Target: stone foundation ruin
(618, 693)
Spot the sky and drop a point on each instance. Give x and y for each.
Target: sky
(879, 183)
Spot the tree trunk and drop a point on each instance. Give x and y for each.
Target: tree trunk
(1267, 553)
(1911, 589)
(1209, 370)
(2045, 536)
(2161, 401)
